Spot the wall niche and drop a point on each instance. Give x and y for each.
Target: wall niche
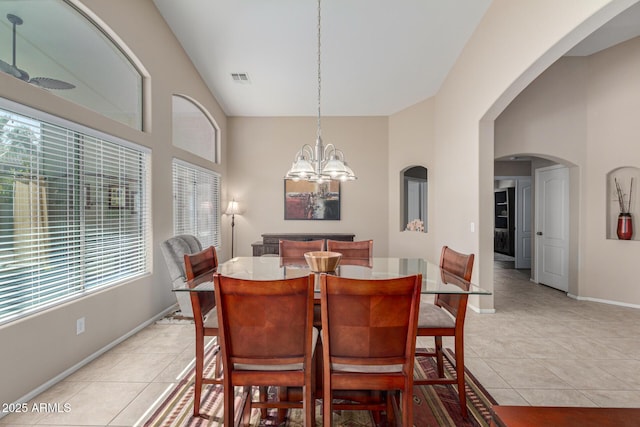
(623, 184)
(413, 215)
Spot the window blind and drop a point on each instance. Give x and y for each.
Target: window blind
(196, 202)
(74, 211)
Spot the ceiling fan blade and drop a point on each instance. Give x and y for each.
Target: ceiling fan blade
(9, 69)
(23, 74)
(14, 71)
(48, 83)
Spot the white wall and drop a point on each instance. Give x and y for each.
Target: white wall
(40, 347)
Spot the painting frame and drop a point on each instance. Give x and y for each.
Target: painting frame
(118, 197)
(312, 201)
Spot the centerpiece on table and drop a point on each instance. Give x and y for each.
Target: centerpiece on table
(322, 261)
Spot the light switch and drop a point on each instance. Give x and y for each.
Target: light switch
(80, 326)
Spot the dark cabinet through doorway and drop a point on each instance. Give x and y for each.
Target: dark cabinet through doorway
(504, 231)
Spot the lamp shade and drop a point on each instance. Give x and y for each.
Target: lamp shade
(350, 176)
(233, 208)
(335, 168)
(301, 168)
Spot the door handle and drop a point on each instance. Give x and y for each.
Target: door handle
(539, 233)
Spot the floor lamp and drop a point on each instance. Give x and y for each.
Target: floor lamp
(232, 209)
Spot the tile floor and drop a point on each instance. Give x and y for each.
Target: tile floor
(539, 348)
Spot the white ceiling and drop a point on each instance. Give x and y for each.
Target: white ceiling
(621, 28)
(378, 56)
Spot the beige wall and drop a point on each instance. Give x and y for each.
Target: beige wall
(411, 141)
(556, 131)
(612, 142)
(548, 118)
(582, 110)
(507, 51)
(41, 347)
(261, 151)
(512, 168)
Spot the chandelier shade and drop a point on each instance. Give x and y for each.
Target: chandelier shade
(320, 163)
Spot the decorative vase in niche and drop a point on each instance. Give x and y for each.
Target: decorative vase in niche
(625, 226)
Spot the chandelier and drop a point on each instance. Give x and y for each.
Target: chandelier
(320, 163)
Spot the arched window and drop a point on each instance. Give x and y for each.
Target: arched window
(196, 190)
(59, 49)
(193, 129)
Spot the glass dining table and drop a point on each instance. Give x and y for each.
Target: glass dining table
(434, 279)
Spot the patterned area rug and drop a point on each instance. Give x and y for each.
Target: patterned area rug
(433, 406)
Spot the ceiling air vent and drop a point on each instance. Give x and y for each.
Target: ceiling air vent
(240, 78)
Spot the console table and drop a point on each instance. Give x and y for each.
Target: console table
(269, 243)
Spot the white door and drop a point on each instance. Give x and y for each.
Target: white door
(524, 244)
(552, 227)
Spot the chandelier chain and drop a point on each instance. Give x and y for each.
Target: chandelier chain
(320, 163)
(319, 76)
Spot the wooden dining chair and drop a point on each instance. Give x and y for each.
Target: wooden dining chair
(361, 249)
(267, 339)
(445, 317)
(368, 340)
(297, 248)
(205, 318)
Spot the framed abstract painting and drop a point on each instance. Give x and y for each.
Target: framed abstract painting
(305, 200)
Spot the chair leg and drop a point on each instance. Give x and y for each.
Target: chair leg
(308, 403)
(228, 401)
(376, 396)
(246, 407)
(390, 397)
(407, 406)
(327, 409)
(462, 395)
(199, 374)
(283, 396)
(439, 356)
(262, 397)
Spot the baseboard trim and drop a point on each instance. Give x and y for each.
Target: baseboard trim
(482, 310)
(604, 301)
(33, 393)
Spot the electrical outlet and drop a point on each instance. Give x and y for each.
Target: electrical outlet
(80, 326)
